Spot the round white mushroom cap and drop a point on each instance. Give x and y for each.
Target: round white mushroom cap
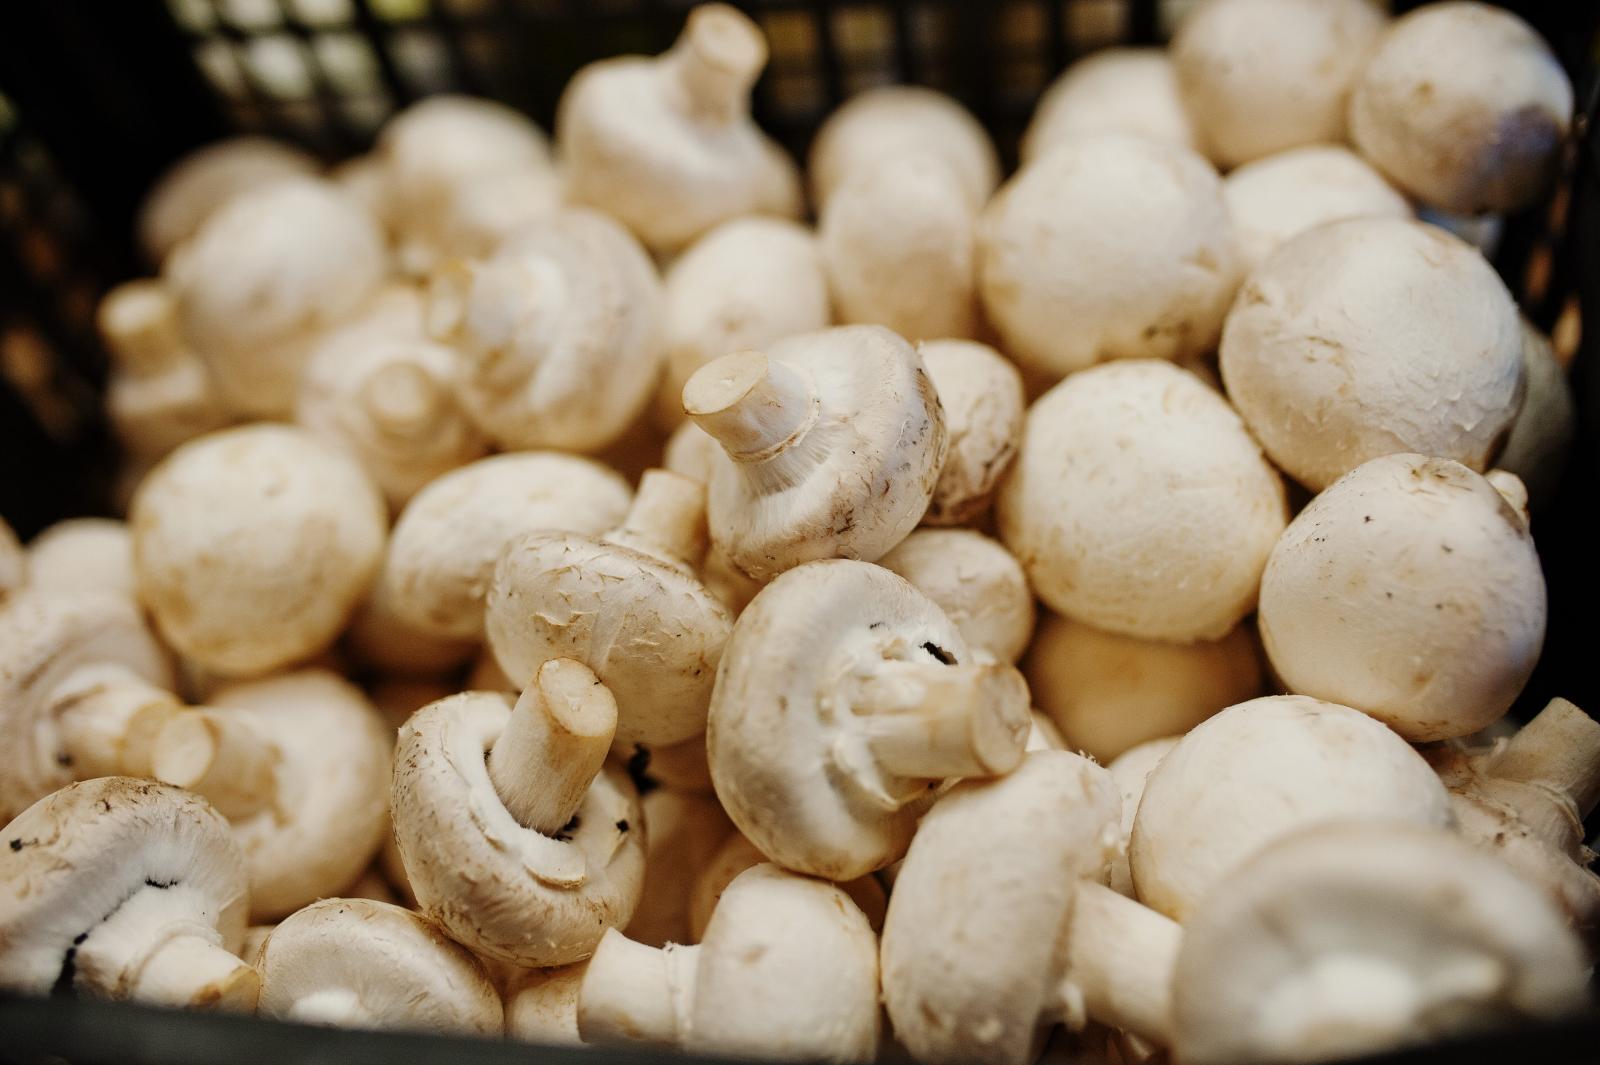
(1411, 590)
(981, 394)
(356, 963)
(1114, 90)
(255, 545)
(92, 555)
(1370, 336)
(1139, 504)
(1256, 772)
(977, 584)
(1541, 437)
(734, 856)
(201, 182)
(1131, 770)
(1464, 106)
(1111, 246)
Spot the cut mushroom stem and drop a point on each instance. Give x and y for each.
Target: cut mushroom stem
(931, 721)
(637, 994)
(403, 400)
(109, 718)
(667, 519)
(553, 745)
(219, 755)
(140, 326)
(756, 408)
(336, 1007)
(1559, 752)
(181, 968)
(1118, 961)
(717, 59)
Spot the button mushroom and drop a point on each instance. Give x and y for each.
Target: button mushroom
(977, 584)
(356, 963)
(93, 555)
(1256, 772)
(380, 639)
(1411, 590)
(844, 697)
(1370, 336)
(1140, 505)
(203, 181)
(1541, 437)
(627, 606)
(124, 889)
(1114, 90)
(515, 835)
(1131, 770)
(450, 535)
(254, 545)
(981, 394)
(666, 144)
(833, 445)
(788, 969)
(734, 856)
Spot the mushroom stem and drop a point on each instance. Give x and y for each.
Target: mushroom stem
(1118, 963)
(402, 399)
(151, 949)
(1512, 490)
(755, 407)
(924, 719)
(1559, 750)
(717, 59)
(553, 745)
(637, 994)
(109, 719)
(667, 519)
(190, 970)
(140, 326)
(338, 1007)
(219, 755)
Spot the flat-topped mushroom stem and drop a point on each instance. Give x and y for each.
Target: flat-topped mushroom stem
(219, 755)
(717, 59)
(127, 889)
(756, 408)
(932, 720)
(562, 723)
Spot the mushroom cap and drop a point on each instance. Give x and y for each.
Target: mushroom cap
(1353, 938)
(76, 857)
(1131, 770)
(977, 584)
(254, 546)
(93, 555)
(200, 183)
(558, 332)
(970, 945)
(873, 128)
(398, 966)
(542, 1005)
(509, 892)
(13, 562)
(743, 285)
(1140, 504)
(1109, 247)
(1410, 590)
(982, 397)
(1114, 90)
(1258, 771)
(380, 639)
(264, 276)
(734, 856)
(484, 210)
(859, 479)
(899, 246)
(328, 813)
(1108, 693)
(1464, 106)
(448, 538)
(1370, 336)
(1542, 434)
(44, 640)
(788, 969)
(782, 735)
(1276, 198)
(691, 451)
(1259, 76)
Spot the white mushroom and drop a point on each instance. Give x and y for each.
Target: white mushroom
(558, 332)
(254, 546)
(745, 284)
(1131, 770)
(788, 969)
(1115, 90)
(666, 145)
(355, 963)
(734, 856)
(1108, 693)
(683, 831)
(977, 584)
(83, 555)
(124, 889)
(1465, 107)
(834, 442)
(1370, 336)
(1140, 505)
(542, 1005)
(1256, 772)
(200, 183)
(1349, 939)
(1110, 247)
(628, 606)
(843, 699)
(380, 639)
(516, 836)
(264, 277)
(980, 392)
(1542, 434)
(1411, 590)
(1259, 76)
(448, 538)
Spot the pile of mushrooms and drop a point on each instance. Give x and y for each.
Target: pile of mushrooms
(1083, 606)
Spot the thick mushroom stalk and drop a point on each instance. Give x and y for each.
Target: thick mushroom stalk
(1116, 958)
(562, 724)
(110, 718)
(633, 993)
(219, 755)
(932, 720)
(757, 409)
(717, 59)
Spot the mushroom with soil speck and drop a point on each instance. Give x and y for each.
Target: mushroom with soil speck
(1113, 90)
(981, 394)
(975, 581)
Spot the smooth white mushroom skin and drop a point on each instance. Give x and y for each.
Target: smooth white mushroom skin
(1465, 107)
(976, 583)
(1139, 504)
(1258, 771)
(542, 1005)
(981, 394)
(1108, 693)
(1260, 76)
(1410, 590)
(253, 546)
(1541, 436)
(1131, 770)
(83, 555)
(1110, 247)
(734, 856)
(1114, 90)
(200, 183)
(1371, 336)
